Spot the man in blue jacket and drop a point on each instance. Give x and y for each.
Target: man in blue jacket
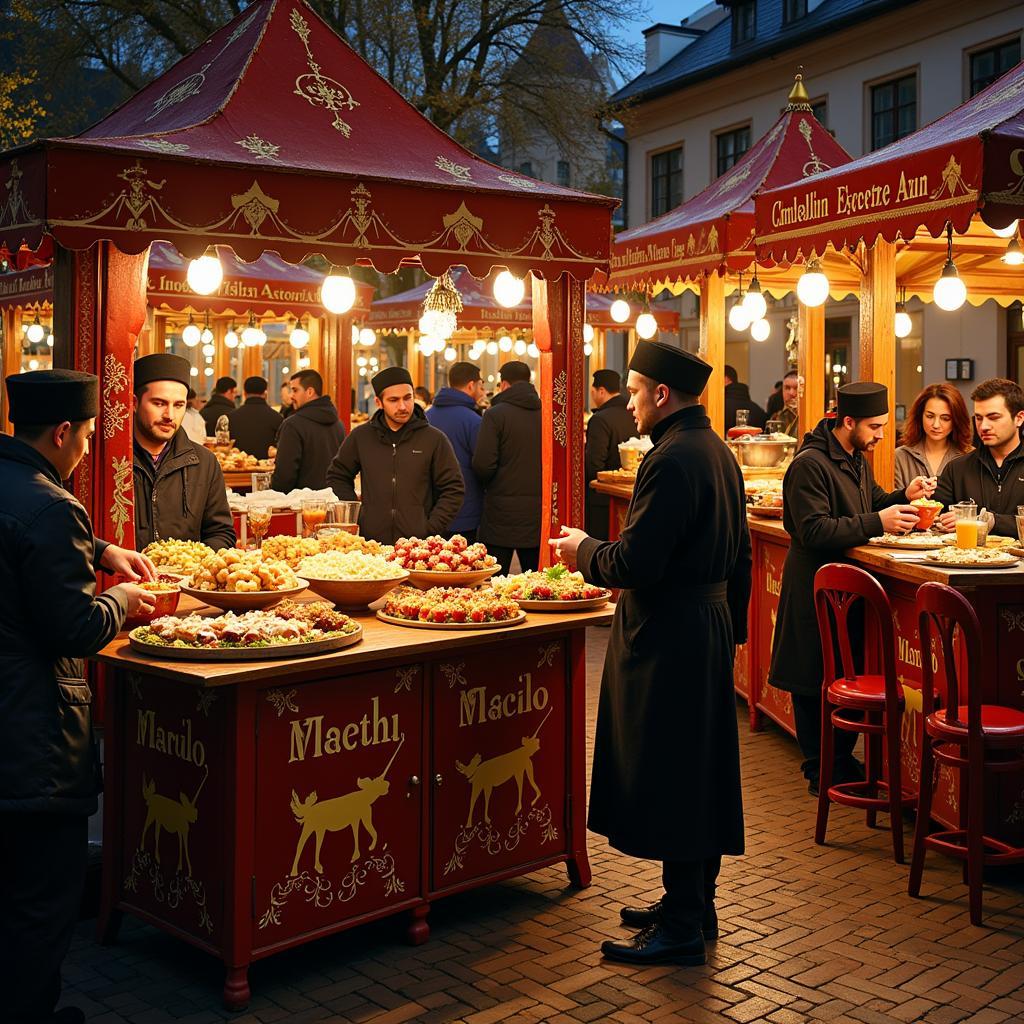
(456, 413)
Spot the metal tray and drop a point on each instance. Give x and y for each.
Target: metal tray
(300, 650)
(417, 624)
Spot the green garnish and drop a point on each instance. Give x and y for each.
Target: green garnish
(556, 571)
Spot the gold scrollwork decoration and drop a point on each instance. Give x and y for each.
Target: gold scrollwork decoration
(457, 171)
(259, 147)
(454, 674)
(405, 677)
(560, 398)
(282, 701)
(121, 501)
(318, 89)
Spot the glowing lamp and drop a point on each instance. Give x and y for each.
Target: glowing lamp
(760, 329)
(646, 326)
(338, 292)
(619, 311)
(509, 289)
(812, 287)
(205, 274)
(949, 292)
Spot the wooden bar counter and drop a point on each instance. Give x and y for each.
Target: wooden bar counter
(253, 806)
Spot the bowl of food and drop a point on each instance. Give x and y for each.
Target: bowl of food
(436, 562)
(351, 579)
(236, 580)
(763, 452)
(166, 591)
(631, 452)
(927, 510)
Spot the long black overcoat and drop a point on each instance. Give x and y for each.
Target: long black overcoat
(830, 503)
(666, 777)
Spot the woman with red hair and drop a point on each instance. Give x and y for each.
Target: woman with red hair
(937, 431)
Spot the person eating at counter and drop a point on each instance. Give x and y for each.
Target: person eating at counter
(666, 776)
(937, 431)
(50, 619)
(831, 503)
(179, 487)
(992, 475)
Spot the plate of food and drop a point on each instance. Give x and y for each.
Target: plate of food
(241, 580)
(971, 558)
(290, 631)
(182, 557)
(908, 541)
(436, 562)
(555, 589)
(993, 541)
(450, 608)
(351, 579)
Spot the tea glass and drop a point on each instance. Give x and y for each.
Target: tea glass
(314, 515)
(258, 516)
(345, 515)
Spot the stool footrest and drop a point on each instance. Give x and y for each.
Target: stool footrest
(856, 794)
(953, 843)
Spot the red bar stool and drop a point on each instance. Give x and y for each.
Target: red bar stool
(974, 738)
(879, 699)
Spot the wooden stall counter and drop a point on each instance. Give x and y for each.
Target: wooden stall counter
(997, 596)
(251, 807)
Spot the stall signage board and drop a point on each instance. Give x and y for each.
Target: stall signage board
(338, 821)
(172, 848)
(499, 748)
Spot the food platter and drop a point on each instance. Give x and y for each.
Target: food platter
(907, 542)
(765, 511)
(993, 541)
(418, 624)
(284, 650)
(425, 579)
(233, 600)
(985, 559)
(553, 605)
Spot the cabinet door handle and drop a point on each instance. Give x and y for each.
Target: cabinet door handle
(438, 779)
(414, 780)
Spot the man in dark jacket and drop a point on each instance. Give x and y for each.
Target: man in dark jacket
(221, 403)
(286, 408)
(610, 424)
(410, 478)
(830, 503)
(455, 413)
(666, 776)
(254, 425)
(507, 464)
(991, 476)
(737, 396)
(179, 487)
(50, 619)
(309, 438)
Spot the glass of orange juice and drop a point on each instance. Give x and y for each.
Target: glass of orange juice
(314, 515)
(966, 513)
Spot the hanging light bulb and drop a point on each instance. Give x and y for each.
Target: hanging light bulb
(362, 361)
(208, 350)
(646, 326)
(355, 335)
(902, 324)
(588, 349)
(49, 340)
(439, 345)
(207, 359)
(509, 289)
(250, 336)
(33, 364)
(362, 372)
(1008, 232)
(425, 345)
(35, 332)
(739, 318)
(760, 329)
(208, 371)
(231, 338)
(207, 336)
(620, 311)
(450, 354)
(205, 274)
(440, 307)
(949, 292)
(367, 337)
(261, 336)
(505, 343)
(191, 334)
(338, 292)
(753, 301)
(299, 337)
(286, 370)
(193, 371)
(588, 333)
(1014, 255)
(373, 362)
(303, 362)
(492, 348)
(812, 287)
(519, 347)
(532, 351)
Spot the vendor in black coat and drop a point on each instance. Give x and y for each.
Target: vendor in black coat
(737, 396)
(830, 503)
(410, 479)
(179, 486)
(507, 464)
(666, 777)
(992, 476)
(221, 403)
(254, 425)
(309, 438)
(610, 424)
(50, 619)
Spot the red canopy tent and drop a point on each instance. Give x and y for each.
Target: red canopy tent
(274, 136)
(712, 234)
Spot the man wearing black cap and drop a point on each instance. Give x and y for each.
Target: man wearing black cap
(666, 776)
(221, 403)
(410, 479)
(456, 414)
(254, 425)
(50, 619)
(830, 503)
(309, 438)
(737, 396)
(507, 464)
(610, 424)
(179, 486)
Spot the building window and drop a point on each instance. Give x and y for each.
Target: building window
(793, 10)
(819, 108)
(526, 167)
(744, 21)
(988, 65)
(730, 146)
(666, 181)
(563, 173)
(893, 110)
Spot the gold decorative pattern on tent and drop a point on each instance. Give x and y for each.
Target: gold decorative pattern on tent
(318, 89)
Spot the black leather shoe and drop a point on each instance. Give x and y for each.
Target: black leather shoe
(68, 1015)
(641, 917)
(812, 786)
(657, 945)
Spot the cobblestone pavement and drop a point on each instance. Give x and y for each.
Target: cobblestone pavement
(808, 933)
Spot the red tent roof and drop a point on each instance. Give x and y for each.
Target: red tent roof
(714, 231)
(966, 161)
(480, 310)
(275, 135)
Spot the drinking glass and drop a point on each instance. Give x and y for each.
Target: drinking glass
(1020, 524)
(966, 513)
(259, 521)
(261, 481)
(314, 515)
(742, 417)
(345, 515)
